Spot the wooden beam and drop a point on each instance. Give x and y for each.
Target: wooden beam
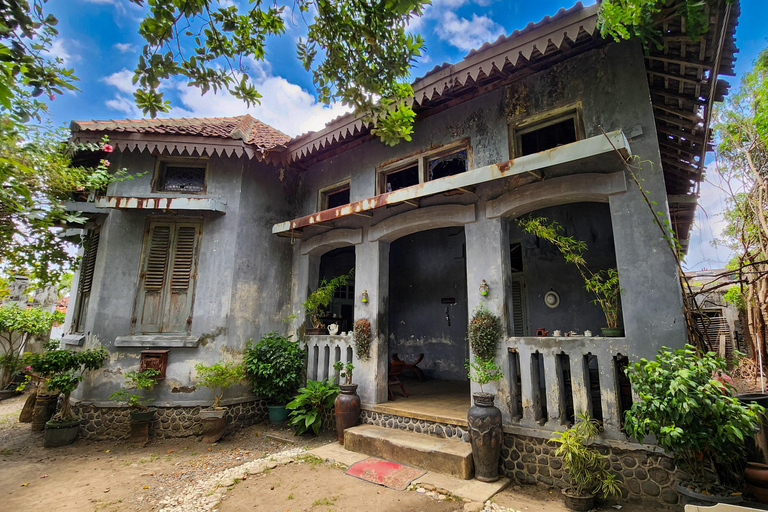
(694, 149)
(679, 78)
(678, 152)
(679, 133)
(683, 199)
(678, 112)
(679, 61)
(685, 123)
(669, 94)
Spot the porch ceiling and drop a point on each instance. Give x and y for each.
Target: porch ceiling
(581, 151)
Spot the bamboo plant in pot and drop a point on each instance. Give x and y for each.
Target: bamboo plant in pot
(347, 404)
(275, 366)
(484, 418)
(134, 395)
(584, 465)
(694, 417)
(63, 371)
(218, 376)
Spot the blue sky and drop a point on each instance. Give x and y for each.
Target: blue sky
(99, 39)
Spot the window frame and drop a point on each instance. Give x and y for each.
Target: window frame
(323, 193)
(167, 287)
(161, 163)
(422, 159)
(538, 121)
(85, 280)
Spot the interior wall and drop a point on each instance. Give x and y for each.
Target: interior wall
(425, 268)
(333, 264)
(545, 268)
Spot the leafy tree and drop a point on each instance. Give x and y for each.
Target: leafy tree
(17, 327)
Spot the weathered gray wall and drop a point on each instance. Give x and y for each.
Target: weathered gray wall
(428, 267)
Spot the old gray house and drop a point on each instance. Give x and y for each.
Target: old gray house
(251, 222)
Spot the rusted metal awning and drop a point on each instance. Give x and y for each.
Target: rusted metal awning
(210, 204)
(579, 150)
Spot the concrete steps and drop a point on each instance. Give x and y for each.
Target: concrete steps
(447, 456)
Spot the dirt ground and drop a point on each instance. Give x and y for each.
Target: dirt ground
(247, 470)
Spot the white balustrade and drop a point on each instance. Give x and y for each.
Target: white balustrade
(323, 351)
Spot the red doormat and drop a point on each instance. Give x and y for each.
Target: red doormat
(382, 472)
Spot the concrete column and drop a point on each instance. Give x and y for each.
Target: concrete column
(306, 277)
(579, 384)
(552, 378)
(372, 275)
(609, 394)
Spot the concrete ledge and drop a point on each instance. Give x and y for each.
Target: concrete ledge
(446, 456)
(157, 341)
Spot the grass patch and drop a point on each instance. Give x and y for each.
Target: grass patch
(325, 502)
(290, 496)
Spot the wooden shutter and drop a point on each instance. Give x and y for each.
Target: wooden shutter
(168, 275)
(85, 283)
(518, 315)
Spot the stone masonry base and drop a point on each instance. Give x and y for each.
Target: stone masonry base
(645, 476)
(102, 423)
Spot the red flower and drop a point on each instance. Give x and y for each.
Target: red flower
(52, 97)
(107, 148)
(105, 163)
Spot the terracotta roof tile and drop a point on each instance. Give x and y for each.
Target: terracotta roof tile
(246, 128)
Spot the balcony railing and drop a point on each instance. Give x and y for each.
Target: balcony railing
(324, 351)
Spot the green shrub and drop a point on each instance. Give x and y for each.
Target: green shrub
(275, 365)
(17, 326)
(308, 406)
(219, 376)
(143, 381)
(484, 332)
(485, 372)
(693, 416)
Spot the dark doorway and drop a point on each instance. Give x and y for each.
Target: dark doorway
(341, 309)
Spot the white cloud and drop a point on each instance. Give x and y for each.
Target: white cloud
(62, 48)
(467, 34)
(708, 226)
(125, 47)
(125, 105)
(122, 80)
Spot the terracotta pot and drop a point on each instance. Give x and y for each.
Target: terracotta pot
(347, 408)
(756, 476)
(45, 407)
(214, 421)
(485, 435)
(576, 502)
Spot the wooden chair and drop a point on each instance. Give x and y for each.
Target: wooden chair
(412, 366)
(395, 369)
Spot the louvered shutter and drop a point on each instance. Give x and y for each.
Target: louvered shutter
(178, 305)
(168, 276)
(85, 283)
(518, 309)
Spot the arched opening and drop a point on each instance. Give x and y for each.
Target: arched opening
(340, 311)
(428, 319)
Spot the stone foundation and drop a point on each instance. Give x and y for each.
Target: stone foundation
(432, 428)
(108, 423)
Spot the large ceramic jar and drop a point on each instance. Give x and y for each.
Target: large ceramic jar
(347, 408)
(486, 435)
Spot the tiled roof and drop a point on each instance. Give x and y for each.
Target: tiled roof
(246, 128)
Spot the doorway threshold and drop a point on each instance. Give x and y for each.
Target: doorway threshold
(439, 401)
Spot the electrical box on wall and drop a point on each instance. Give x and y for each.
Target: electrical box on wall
(154, 360)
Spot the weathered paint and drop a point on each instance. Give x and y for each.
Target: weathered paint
(165, 202)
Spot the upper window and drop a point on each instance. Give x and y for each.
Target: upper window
(168, 275)
(427, 166)
(335, 196)
(548, 131)
(181, 176)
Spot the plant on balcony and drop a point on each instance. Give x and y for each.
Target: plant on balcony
(691, 411)
(603, 284)
(484, 332)
(585, 467)
(362, 336)
(319, 299)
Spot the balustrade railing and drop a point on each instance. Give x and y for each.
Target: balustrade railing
(323, 351)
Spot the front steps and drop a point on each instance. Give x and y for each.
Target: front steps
(447, 456)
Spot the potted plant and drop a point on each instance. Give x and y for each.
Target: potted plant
(586, 468)
(347, 404)
(603, 284)
(218, 376)
(319, 299)
(693, 415)
(484, 421)
(309, 404)
(141, 414)
(63, 370)
(275, 365)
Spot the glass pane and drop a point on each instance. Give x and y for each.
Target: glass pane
(448, 165)
(184, 179)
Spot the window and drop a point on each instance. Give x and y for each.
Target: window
(186, 176)
(85, 283)
(335, 196)
(553, 129)
(167, 279)
(430, 165)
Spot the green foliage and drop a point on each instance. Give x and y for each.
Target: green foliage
(63, 370)
(142, 381)
(692, 416)
(219, 376)
(362, 336)
(347, 371)
(308, 405)
(735, 297)
(624, 19)
(319, 299)
(484, 332)
(17, 326)
(275, 365)
(485, 371)
(10, 363)
(603, 284)
(585, 467)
